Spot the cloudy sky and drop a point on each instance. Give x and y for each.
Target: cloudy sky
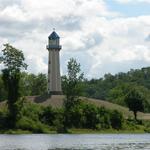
(105, 36)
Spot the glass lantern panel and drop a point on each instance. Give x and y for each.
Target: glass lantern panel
(52, 42)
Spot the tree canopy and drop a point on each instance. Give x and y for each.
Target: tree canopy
(13, 60)
(71, 82)
(135, 101)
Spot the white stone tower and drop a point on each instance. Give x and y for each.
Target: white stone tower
(54, 79)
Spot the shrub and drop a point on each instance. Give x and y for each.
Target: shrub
(31, 110)
(3, 119)
(47, 115)
(90, 116)
(31, 125)
(116, 119)
(104, 118)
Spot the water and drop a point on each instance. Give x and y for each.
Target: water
(75, 142)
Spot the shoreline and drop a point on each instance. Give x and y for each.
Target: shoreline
(76, 131)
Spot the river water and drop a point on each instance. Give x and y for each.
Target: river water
(75, 142)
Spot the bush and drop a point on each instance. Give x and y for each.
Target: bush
(104, 118)
(48, 115)
(116, 119)
(31, 125)
(90, 116)
(31, 110)
(3, 119)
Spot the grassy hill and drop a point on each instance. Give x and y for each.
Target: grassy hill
(57, 101)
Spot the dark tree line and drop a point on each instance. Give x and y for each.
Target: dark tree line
(114, 88)
(30, 85)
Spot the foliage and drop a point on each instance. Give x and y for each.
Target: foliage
(116, 120)
(26, 123)
(3, 91)
(48, 115)
(13, 60)
(71, 89)
(122, 88)
(3, 118)
(71, 83)
(90, 116)
(32, 84)
(135, 101)
(118, 93)
(45, 119)
(114, 88)
(30, 118)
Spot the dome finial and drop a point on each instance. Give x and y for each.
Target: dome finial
(53, 29)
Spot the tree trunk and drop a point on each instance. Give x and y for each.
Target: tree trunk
(135, 115)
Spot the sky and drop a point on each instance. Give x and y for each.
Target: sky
(104, 36)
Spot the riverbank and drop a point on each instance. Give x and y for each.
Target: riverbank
(108, 131)
(75, 131)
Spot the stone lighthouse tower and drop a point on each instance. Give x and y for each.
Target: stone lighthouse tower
(54, 79)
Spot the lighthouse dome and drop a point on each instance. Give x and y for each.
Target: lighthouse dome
(53, 36)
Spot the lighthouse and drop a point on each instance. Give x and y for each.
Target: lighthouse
(54, 79)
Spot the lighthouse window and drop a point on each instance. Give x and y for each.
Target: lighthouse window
(52, 42)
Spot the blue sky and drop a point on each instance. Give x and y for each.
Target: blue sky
(133, 9)
(105, 36)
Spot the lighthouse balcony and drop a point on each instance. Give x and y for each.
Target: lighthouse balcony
(49, 47)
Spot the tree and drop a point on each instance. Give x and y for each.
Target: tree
(135, 101)
(71, 89)
(13, 60)
(33, 84)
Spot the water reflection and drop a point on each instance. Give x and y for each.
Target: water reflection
(75, 142)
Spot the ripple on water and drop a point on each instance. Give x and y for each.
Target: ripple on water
(75, 142)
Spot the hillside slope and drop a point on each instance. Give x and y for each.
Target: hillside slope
(57, 101)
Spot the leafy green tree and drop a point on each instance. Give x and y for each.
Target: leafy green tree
(71, 83)
(32, 84)
(71, 88)
(13, 60)
(40, 84)
(135, 101)
(118, 93)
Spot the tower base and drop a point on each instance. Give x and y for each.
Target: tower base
(56, 93)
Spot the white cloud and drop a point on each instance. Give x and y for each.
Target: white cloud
(101, 40)
(123, 41)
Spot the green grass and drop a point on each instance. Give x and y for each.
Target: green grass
(76, 131)
(15, 131)
(108, 131)
(20, 131)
